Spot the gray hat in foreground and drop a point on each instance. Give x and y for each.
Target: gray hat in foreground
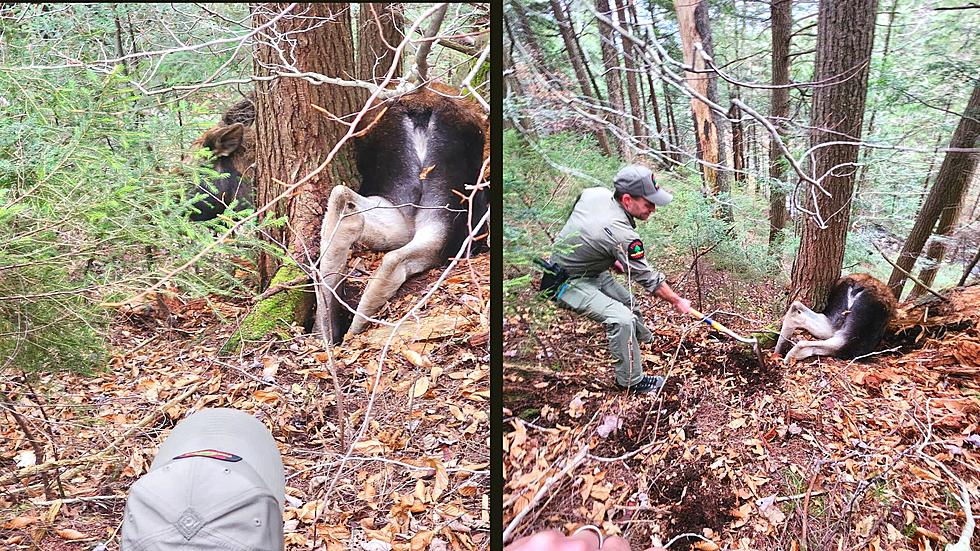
(217, 483)
(638, 181)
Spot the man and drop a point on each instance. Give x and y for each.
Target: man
(217, 483)
(601, 234)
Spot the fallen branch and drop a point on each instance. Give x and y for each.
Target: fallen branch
(544, 489)
(910, 276)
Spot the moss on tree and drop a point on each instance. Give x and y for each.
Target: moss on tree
(275, 314)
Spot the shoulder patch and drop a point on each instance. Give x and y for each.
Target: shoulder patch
(635, 249)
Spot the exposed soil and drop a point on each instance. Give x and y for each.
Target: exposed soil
(820, 454)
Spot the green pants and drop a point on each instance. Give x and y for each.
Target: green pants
(603, 299)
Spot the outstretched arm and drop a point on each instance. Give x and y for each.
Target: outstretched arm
(664, 292)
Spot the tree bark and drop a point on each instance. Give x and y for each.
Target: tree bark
(782, 23)
(845, 35)
(578, 65)
(379, 34)
(636, 102)
(293, 138)
(614, 86)
(947, 193)
(738, 141)
(692, 18)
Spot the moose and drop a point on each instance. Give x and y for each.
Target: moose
(416, 155)
(852, 324)
(232, 146)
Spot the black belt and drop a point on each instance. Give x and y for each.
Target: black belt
(554, 278)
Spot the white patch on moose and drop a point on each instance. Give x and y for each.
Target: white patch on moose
(419, 137)
(852, 295)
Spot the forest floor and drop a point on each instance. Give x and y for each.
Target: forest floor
(415, 479)
(824, 454)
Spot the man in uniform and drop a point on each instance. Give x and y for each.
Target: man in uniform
(601, 234)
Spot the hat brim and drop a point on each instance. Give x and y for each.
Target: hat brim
(231, 431)
(660, 197)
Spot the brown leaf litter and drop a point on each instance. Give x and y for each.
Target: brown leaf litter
(825, 454)
(416, 477)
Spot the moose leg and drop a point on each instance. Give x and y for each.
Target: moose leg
(420, 254)
(352, 218)
(800, 317)
(826, 347)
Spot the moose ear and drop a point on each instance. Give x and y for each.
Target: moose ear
(225, 140)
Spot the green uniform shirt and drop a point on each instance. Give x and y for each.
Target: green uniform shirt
(599, 232)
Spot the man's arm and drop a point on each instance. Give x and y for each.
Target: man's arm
(664, 292)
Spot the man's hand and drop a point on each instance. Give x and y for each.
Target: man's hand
(664, 292)
(618, 266)
(682, 305)
(550, 540)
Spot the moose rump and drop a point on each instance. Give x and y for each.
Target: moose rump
(416, 157)
(858, 309)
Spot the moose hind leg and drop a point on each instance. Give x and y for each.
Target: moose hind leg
(826, 347)
(420, 254)
(352, 218)
(800, 317)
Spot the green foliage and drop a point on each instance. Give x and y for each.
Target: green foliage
(93, 198)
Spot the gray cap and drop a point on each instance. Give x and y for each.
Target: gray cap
(638, 181)
(217, 483)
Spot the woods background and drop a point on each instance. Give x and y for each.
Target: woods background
(802, 140)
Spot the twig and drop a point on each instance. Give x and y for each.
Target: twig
(910, 276)
(71, 500)
(34, 470)
(544, 489)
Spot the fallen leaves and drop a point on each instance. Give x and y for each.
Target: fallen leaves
(826, 445)
(418, 474)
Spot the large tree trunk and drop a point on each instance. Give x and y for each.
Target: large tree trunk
(293, 137)
(379, 33)
(692, 18)
(845, 35)
(614, 86)
(577, 60)
(947, 193)
(782, 23)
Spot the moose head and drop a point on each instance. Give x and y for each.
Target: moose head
(232, 147)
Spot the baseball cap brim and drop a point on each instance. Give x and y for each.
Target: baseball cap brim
(660, 197)
(217, 482)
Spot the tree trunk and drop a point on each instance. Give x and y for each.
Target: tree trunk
(782, 23)
(512, 82)
(672, 129)
(738, 141)
(379, 34)
(614, 86)
(954, 175)
(845, 35)
(868, 154)
(629, 62)
(578, 65)
(293, 138)
(692, 18)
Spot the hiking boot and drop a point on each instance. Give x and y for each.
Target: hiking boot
(649, 385)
